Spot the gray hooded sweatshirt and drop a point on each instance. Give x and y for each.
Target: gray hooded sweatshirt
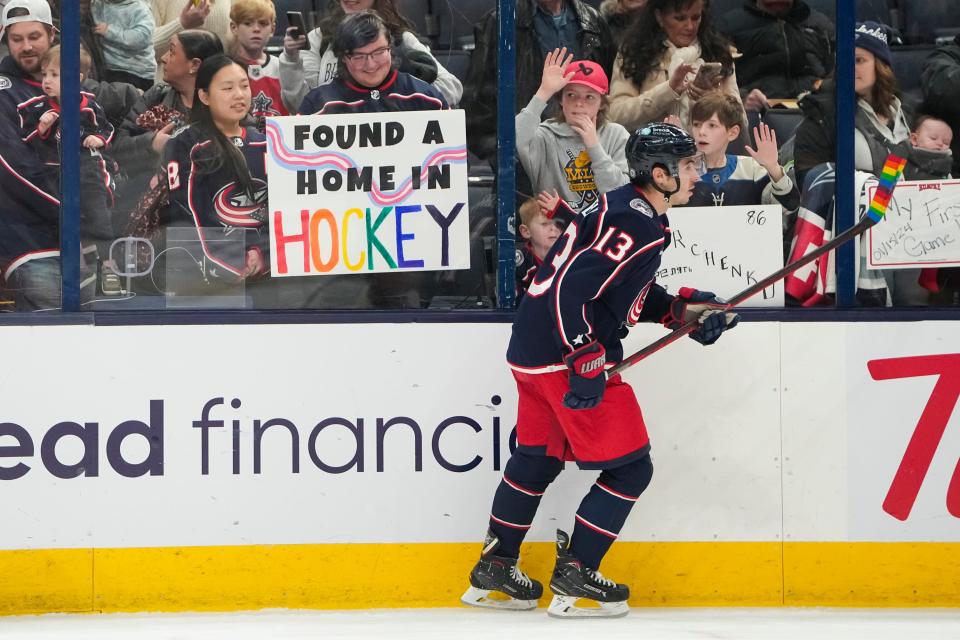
(554, 157)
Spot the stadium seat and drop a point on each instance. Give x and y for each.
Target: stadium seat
(925, 20)
(908, 63)
(783, 121)
(447, 23)
(455, 61)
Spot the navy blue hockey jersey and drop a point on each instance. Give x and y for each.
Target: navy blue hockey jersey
(93, 122)
(29, 193)
(597, 276)
(399, 92)
(214, 201)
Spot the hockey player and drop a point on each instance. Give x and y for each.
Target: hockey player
(217, 175)
(597, 279)
(252, 22)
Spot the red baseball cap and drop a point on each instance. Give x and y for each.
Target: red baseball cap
(589, 74)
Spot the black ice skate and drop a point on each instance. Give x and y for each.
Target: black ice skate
(495, 573)
(572, 581)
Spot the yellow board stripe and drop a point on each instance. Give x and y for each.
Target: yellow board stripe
(350, 576)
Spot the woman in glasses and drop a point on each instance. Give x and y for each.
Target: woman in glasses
(368, 80)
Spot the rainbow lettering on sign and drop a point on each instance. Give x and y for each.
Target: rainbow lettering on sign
(325, 238)
(341, 163)
(892, 170)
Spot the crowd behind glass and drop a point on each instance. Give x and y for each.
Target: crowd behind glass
(175, 95)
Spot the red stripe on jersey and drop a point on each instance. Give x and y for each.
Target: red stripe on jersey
(617, 494)
(514, 485)
(590, 525)
(512, 525)
(602, 212)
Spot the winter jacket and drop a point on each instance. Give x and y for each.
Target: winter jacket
(781, 57)
(618, 21)
(634, 106)
(116, 98)
(940, 82)
(128, 43)
(480, 96)
(554, 157)
(816, 139)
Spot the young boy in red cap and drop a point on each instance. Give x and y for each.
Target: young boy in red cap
(578, 154)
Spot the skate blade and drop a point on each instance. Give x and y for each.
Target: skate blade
(481, 598)
(566, 607)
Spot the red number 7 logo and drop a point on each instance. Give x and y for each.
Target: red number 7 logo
(926, 437)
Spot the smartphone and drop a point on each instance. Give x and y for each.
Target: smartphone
(295, 20)
(708, 75)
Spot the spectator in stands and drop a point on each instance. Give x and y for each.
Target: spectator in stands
(173, 16)
(619, 14)
(881, 124)
(116, 98)
(90, 41)
(930, 152)
(672, 59)
(304, 69)
(30, 221)
(737, 180)
(538, 230)
(40, 128)
(366, 71)
(125, 28)
(167, 106)
(940, 81)
(880, 129)
(786, 49)
(577, 154)
(541, 27)
(219, 154)
(252, 22)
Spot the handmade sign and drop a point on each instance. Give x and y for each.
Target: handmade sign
(368, 193)
(920, 229)
(724, 250)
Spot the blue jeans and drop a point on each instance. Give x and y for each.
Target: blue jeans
(36, 285)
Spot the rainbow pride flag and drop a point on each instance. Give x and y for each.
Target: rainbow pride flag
(892, 170)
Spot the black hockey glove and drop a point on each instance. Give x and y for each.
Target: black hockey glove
(419, 64)
(587, 376)
(705, 306)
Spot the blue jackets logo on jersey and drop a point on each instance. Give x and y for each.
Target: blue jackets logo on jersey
(236, 208)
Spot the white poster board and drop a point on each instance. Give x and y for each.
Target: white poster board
(368, 193)
(920, 229)
(724, 250)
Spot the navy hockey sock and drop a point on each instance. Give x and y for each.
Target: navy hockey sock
(605, 508)
(525, 478)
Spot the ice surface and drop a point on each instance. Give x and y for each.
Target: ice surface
(469, 624)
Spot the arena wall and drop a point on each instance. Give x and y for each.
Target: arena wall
(352, 466)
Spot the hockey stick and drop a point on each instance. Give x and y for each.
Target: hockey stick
(892, 170)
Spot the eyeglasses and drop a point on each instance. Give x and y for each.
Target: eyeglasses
(377, 55)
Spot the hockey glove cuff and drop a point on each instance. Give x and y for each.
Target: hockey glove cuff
(705, 306)
(587, 376)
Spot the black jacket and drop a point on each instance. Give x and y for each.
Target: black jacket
(480, 95)
(781, 57)
(940, 82)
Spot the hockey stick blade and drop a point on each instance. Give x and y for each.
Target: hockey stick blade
(892, 170)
